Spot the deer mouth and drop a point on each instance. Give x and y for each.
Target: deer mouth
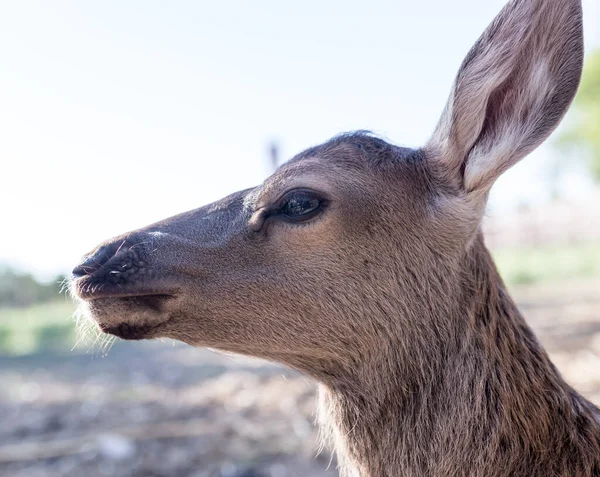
(89, 288)
(131, 332)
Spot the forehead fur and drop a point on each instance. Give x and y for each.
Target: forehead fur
(358, 149)
(343, 166)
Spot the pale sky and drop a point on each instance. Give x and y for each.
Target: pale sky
(116, 114)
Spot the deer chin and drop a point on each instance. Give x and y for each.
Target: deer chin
(132, 317)
(129, 309)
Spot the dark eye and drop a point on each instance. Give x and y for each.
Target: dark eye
(300, 205)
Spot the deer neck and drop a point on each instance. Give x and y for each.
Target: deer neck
(481, 399)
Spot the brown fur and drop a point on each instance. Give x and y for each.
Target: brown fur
(388, 296)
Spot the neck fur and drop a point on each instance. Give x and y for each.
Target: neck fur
(478, 398)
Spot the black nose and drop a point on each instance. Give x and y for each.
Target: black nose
(95, 261)
(116, 260)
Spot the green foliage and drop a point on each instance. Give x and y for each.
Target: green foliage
(43, 327)
(22, 289)
(522, 266)
(583, 131)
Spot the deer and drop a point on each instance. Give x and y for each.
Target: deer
(362, 264)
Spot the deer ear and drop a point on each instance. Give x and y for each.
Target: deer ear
(511, 91)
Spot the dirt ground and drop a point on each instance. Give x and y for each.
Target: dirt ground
(159, 409)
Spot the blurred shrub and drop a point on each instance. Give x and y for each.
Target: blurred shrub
(43, 327)
(4, 338)
(22, 289)
(56, 337)
(527, 265)
(583, 131)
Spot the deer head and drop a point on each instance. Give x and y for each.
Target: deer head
(355, 247)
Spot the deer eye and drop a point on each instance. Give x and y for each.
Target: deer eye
(300, 205)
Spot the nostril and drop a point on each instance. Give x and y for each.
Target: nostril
(93, 262)
(82, 270)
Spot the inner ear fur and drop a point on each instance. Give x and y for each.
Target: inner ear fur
(511, 91)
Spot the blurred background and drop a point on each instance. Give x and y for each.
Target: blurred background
(116, 114)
